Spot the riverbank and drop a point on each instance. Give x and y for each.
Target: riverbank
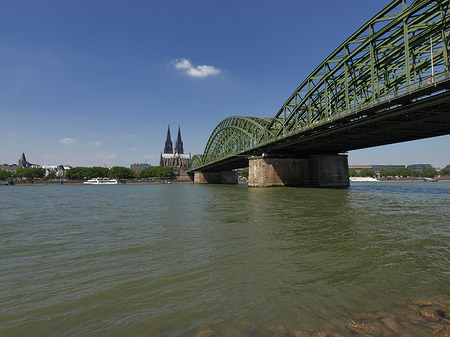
(409, 180)
(80, 182)
(170, 181)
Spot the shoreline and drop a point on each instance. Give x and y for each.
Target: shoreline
(409, 180)
(80, 182)
(181, 181)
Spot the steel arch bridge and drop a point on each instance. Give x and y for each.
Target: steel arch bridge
(399, 57)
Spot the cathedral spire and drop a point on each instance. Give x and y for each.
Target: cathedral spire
(179, 143)
(168, 145)
(23, 161)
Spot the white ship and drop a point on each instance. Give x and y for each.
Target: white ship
(100, 181)
(363, 179)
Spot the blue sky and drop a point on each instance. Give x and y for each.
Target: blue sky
(94, 83)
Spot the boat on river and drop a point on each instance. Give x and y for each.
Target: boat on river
(100, 181)
(430, 180)
(363, 179)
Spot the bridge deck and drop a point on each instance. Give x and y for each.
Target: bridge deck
(417, 115)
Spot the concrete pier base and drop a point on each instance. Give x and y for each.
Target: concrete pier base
(325, 171)
(221, 177)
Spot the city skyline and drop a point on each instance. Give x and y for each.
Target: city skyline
(89, 84)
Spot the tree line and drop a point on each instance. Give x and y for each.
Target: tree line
(401, 172)
(31, 172)
(158, 172)
(119, 172)
(83, 173)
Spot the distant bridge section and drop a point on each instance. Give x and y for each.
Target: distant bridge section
(387, 83)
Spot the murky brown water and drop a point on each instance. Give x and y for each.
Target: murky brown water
(191, 260)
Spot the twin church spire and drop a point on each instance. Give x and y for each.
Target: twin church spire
(178, 143)
(174, 157)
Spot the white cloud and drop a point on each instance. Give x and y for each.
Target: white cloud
(134, 149)
(67, 141)
(199, 71)
(182, 64)
(96, 143)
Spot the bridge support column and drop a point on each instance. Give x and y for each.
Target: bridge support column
(325, 171)
(221, 177)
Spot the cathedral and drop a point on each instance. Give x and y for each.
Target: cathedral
(174, 157)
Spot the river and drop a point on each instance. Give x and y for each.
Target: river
(217, 260)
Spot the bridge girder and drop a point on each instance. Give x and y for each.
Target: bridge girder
(388, 56)
(232, 135)
(401, 50)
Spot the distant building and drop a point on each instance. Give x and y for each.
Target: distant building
(139, 167)
(379, 168)
(58, 169)
(419, 167)
(358, 168)
(10, 168)
(174, 157)
(376, 168)
(23, 162)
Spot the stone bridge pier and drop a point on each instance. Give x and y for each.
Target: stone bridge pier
(325, 171)
(213, 177)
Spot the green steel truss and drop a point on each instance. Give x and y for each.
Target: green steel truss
(232, 136)
(401, 49)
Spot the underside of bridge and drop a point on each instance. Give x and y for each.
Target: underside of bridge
(387, 83)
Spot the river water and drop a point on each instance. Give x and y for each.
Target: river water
(219, 260)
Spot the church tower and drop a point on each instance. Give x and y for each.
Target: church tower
(179, 143)
(177, 158)
(168, 146)
(23, 161)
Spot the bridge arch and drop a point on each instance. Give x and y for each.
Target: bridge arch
(196, 161)
(233, 135)
(402, 51)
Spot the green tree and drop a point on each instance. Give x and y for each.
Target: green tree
(96, 171)
(417, 173)
(120, 172)
(429, 173)
(4, 174)
(167, 172)
(162, 172)
(146, 173)
(78, 173)
(445, 171)
(81, 173)
(157, 172)
(367, 172)
(31, 172)
(352, 172)
(403, 172)
(387, 173)
(244, 172)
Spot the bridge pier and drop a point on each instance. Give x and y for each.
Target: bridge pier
(324, 171)
(221, 177)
